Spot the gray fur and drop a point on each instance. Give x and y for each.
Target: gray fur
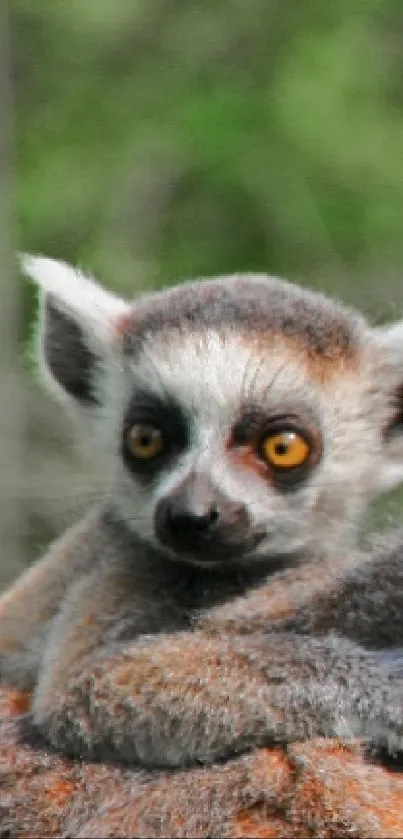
(248, 303)
(377, 582)
(269, 628)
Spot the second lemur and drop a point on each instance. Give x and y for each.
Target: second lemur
(245, 424)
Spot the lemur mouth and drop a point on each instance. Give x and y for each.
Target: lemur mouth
(246, 564)
(212, 552)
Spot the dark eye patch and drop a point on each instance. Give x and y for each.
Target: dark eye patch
(248, 426)
(163, 413)
(255, 425)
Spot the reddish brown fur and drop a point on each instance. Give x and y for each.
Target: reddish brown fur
(338, 358)
(317, 789)
(246, 456)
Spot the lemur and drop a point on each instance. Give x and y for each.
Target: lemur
(214, 600)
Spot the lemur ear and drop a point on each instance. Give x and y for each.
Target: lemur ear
(390, 341)
(77, 326)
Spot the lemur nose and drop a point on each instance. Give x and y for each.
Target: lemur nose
(188, 518)
(184, 523)
(183, 527)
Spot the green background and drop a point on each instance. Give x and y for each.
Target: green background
(160, 140)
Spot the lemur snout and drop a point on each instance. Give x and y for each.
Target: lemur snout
(184, 526)
(198, 516)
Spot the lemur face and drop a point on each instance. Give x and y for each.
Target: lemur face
(245, 433)
(233, 449)
(245, 418)
(221, 446)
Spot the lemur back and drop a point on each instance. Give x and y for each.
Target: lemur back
(245, 424)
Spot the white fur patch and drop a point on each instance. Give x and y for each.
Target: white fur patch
(95, 309)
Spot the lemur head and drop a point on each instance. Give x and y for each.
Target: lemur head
(244, 418)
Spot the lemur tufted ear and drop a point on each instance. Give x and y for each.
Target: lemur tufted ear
(390, 393)
(77, 327)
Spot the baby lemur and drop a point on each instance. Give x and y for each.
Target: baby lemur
(212, 601)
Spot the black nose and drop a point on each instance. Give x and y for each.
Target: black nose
(182, 527)
(183, 524)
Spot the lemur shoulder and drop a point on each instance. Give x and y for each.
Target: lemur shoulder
(215, 599)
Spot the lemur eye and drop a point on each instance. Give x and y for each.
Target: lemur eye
(285, 450)
(145, 441)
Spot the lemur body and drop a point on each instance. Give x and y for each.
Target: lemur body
(245, 424)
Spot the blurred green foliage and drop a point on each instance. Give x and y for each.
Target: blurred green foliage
(162, 140)
(157, 141)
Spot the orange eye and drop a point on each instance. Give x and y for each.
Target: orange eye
(145, 441)
(285, 450)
